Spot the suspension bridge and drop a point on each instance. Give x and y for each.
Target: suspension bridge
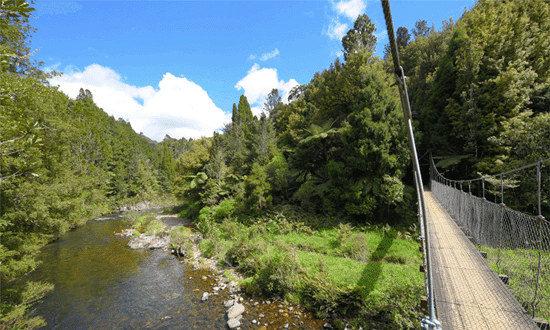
(486, 266)
(490, 264)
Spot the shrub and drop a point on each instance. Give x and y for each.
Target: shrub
(344, 231)
(277, 272)
(179, 235)
(355, 247)
(146, 223)
(216, 248)
(17, 316)
(224, 210)
(325, 297)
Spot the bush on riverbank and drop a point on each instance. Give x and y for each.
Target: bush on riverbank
(16, 303)
(147, 224)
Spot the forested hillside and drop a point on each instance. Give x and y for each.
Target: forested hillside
(338, 148)
(480, 88)
(480, 92)
(63, 161)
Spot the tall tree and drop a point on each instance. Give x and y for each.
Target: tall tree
(273, 103)
(402, 38)
(235, 115)
(421, 29)
(360, 37)
(245, 113)
(15, 33)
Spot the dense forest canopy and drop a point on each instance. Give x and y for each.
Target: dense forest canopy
(479, 90)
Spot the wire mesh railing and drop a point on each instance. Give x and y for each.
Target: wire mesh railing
(516, 244)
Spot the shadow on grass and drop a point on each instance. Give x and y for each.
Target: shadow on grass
(373, 269)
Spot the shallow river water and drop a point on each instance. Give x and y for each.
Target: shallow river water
(102, 284)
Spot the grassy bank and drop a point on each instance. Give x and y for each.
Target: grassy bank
(365, 276)
(521, 266)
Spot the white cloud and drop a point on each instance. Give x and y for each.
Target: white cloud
(351, 8)
(258, 83)
(337, 30)
(179, 107)
(267, 56)
(381, 36)
(381, 40)
(52, 67)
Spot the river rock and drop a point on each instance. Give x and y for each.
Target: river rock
(235, 311)
(228, 303)
(205, 296)
(149, 241)
(233, 323)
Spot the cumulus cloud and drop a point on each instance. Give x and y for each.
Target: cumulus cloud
(259, 82)
(179, 107)
(337, 30)
(351, 8)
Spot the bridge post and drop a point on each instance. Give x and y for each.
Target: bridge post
(502, 189)
(483, 186)
(541, 219)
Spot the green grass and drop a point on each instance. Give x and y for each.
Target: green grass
(360, 246)
(521, 266)
(367, 274)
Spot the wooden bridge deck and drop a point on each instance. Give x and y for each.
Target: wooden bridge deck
(468, 294)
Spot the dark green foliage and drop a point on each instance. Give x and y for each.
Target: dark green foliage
(354, 153)
(493, 69)
(245, 116)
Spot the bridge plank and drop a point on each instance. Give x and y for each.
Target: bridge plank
(468, 294)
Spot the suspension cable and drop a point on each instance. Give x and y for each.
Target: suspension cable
(430, 322)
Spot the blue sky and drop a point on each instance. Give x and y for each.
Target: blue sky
(177, 67)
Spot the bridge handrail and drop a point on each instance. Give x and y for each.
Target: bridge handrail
(516, 244)
(488, 175)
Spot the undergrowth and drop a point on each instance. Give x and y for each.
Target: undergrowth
(366, 275)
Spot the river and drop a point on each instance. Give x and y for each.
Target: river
(102, 284)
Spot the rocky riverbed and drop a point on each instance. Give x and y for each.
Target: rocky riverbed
(222, 295)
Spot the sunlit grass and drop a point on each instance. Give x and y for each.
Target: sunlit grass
(521, 266)
(341, 269)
